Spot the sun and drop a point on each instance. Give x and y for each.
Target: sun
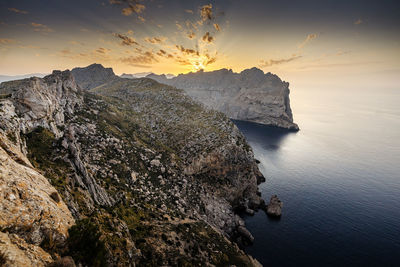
(198, 64)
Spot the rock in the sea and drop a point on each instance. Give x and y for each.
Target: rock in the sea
(274, 208)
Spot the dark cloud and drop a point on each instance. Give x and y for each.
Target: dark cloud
(271, 62)
(19, 11)
(187, 51)
(208, 38)
(358, 22)
(126, 40)
(163, 53)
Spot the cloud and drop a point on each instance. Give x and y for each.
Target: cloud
(208, 38)
(19, 11)
(132, 7)
(187, 51)
(206, 12)
(5, 41)
(102, 50)
(271, 62)
(144, 59)
(358, 22)
(126, 40)
(163, 53)
(155, 40)
(308, 39)
(189, 11)
(37, 27)
(191, 35)
(217, 27)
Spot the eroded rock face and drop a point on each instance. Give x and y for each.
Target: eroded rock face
(30, 214)
(250, 95)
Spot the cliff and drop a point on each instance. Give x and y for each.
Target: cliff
(145, 175)
(249, 95)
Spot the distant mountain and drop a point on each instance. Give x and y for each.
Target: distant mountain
(135, 75)
(5, 78)
(143, 74)
(92, 76)
(249, 95)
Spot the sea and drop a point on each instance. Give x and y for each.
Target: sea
(338, 179)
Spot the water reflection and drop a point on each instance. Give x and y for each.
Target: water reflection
(272, 138)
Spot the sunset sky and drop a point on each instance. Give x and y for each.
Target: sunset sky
(298, 40)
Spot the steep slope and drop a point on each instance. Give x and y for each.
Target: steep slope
(150, 176)
(250, 95)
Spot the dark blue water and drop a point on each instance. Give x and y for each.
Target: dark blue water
(339, 179)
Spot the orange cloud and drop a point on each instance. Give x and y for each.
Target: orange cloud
(7, 41)
(37, 27)
(19, 11)
(155, 40)
(308, 39)
(208, 38)
(271, 62)
(206, 12)
(358, 22)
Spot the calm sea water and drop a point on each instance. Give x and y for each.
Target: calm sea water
(339, 179)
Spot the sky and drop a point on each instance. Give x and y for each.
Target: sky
(308, 42)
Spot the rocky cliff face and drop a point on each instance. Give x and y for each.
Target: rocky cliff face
(145, 175)
(250, 95)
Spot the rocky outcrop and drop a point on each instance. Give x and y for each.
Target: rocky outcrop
(149, 175)
(249, 95)
(31, 212)
(274, 207)
(92, 76)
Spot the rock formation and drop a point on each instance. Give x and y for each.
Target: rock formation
(274, 207)
(250, 95)
(92, 76)
(136, 171)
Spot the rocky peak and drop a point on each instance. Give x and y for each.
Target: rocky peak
(93, 76)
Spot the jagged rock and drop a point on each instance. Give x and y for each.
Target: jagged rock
(274, 208)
